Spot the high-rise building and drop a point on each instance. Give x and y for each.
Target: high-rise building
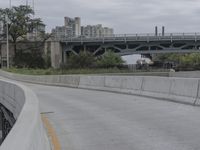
(37, 32)
(68, 21)
(96, 31)
(77, 26)
(62, 31)
(74, 24)
(72, 28)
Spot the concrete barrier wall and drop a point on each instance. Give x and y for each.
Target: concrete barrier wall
(185, 74)
(60, 80)
(28, 132)
(182, 90)
(92, 82)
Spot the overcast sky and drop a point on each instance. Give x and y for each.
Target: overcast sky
(125, 16)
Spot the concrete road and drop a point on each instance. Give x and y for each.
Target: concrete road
(94, 120)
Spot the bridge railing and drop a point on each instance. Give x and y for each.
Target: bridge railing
(133, 37)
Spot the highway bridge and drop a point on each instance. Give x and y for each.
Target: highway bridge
(137, 113)
(127, 44)
(123, 44)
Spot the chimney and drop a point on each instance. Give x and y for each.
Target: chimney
(163, 31)
(156, 31)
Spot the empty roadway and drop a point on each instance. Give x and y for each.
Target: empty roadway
(94, 120)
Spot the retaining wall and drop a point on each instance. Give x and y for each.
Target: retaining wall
(183, 90)
(28, 132)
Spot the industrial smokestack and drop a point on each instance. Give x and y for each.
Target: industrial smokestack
(163, 31)
(156, 31)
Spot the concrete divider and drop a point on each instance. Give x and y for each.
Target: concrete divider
(28, 132)
(183, 90)
(185, 74)
(59, 80)
(156, 87)
(92, 82)
(132, 85)
(128, 84)
(70, 81)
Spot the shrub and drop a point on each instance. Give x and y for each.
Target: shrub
(110, 59)
(83, 60)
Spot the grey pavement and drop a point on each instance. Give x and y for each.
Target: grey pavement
(95, 120)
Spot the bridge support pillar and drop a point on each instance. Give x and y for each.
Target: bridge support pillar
(56, 54)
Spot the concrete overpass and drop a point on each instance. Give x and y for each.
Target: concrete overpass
(141, 117)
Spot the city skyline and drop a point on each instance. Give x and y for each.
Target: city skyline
(124, 16)
(72, 27)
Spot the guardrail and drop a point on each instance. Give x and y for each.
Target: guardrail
(133, 37)
(28, 132)
(174, 89)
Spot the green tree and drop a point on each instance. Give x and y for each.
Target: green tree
(83, 60)
(20, 22)
(184, 61)
(110, 59)
(29, 59)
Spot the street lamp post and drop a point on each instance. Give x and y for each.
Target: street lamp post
(7, 45)
(7, 38)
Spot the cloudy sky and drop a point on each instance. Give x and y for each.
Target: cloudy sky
(125, 16)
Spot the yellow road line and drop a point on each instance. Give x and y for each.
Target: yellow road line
(51, 133)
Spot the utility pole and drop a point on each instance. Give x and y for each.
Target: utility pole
(33, 3)
(10, 4)
(7, 38)
(7, 41)
(26, 2)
